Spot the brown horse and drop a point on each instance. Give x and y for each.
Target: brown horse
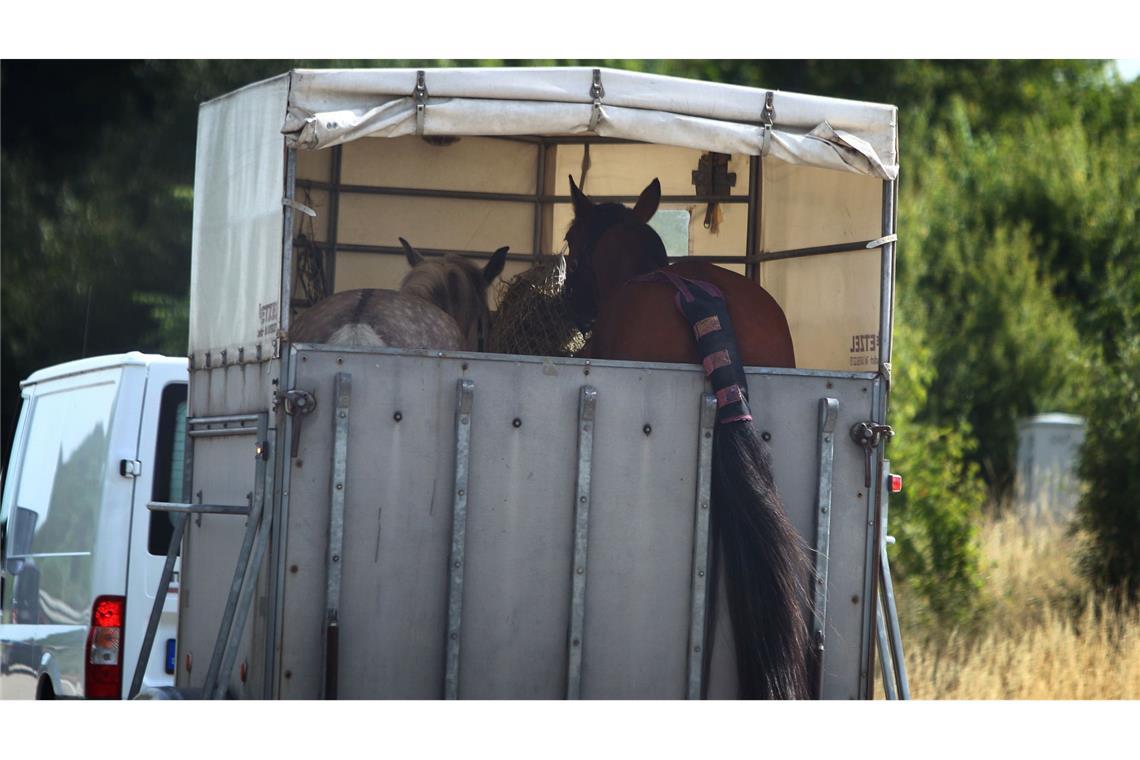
(619, 281)
(442, 303)
(637, 321)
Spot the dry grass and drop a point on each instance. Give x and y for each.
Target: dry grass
(1040, 635)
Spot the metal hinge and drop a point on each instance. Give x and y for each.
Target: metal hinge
(130, 468)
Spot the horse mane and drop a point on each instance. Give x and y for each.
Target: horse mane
(457, 287)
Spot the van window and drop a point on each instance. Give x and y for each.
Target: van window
(170, 448)
(61, 476)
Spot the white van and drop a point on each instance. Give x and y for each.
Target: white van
(97, 440)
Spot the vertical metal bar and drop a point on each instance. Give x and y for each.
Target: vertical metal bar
(278, 538)
(159, 602)
(828, 414)
(540, 180)
(272, 568)
(699, 594)
(185, 498)
(587, 406)
(885, 655)
(283, 308)
(870, 564)
(342, 396)
(872, 580)
(247, 590)
(752, 269)
(887, 600)
(895, 635)
(887, 274)
(334, 216)
(465, 396)
(251, 527)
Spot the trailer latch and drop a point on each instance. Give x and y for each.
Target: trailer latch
(297, 404)
(868, 435)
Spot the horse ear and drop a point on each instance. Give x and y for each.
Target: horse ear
(647, 203)
(415, 258)
(582, 204)
(495, 266)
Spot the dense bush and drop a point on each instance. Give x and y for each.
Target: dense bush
(936, 517)
(1110, 467)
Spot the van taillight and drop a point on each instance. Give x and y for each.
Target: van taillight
(104, 670)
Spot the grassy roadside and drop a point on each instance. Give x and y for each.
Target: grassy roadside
(1041, 633)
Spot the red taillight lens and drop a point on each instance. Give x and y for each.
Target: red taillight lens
(895, 483)
(104, 666)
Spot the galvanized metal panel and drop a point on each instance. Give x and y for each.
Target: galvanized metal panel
(520, 524)
(224, 473)
(238, 387)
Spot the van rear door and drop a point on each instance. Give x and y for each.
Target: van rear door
(161, 448)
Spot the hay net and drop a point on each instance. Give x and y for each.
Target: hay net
(533, 318)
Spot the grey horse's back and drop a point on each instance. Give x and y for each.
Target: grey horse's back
(377, 318)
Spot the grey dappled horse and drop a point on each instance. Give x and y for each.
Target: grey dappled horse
(441, 303)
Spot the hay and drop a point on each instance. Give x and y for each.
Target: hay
(532, 318)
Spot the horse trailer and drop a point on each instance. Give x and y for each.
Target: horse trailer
(414, 523)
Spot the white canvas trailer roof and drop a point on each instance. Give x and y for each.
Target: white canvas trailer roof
(330, 107)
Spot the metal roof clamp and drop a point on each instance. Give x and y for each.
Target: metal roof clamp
(769, 117)
(597, 92)
(420, 95)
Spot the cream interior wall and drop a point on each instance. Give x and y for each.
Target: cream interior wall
(472, 164)
(831, 301)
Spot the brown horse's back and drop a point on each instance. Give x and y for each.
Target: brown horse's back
(641, 322)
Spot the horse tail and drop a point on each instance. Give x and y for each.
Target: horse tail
(765, 568)
(765, 563)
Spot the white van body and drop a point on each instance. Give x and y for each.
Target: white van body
(97, 439)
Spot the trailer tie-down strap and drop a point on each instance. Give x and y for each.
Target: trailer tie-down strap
(704, 306)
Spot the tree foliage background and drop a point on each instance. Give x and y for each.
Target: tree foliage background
(1018, 262)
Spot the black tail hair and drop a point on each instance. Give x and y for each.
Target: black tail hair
(766, 569)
